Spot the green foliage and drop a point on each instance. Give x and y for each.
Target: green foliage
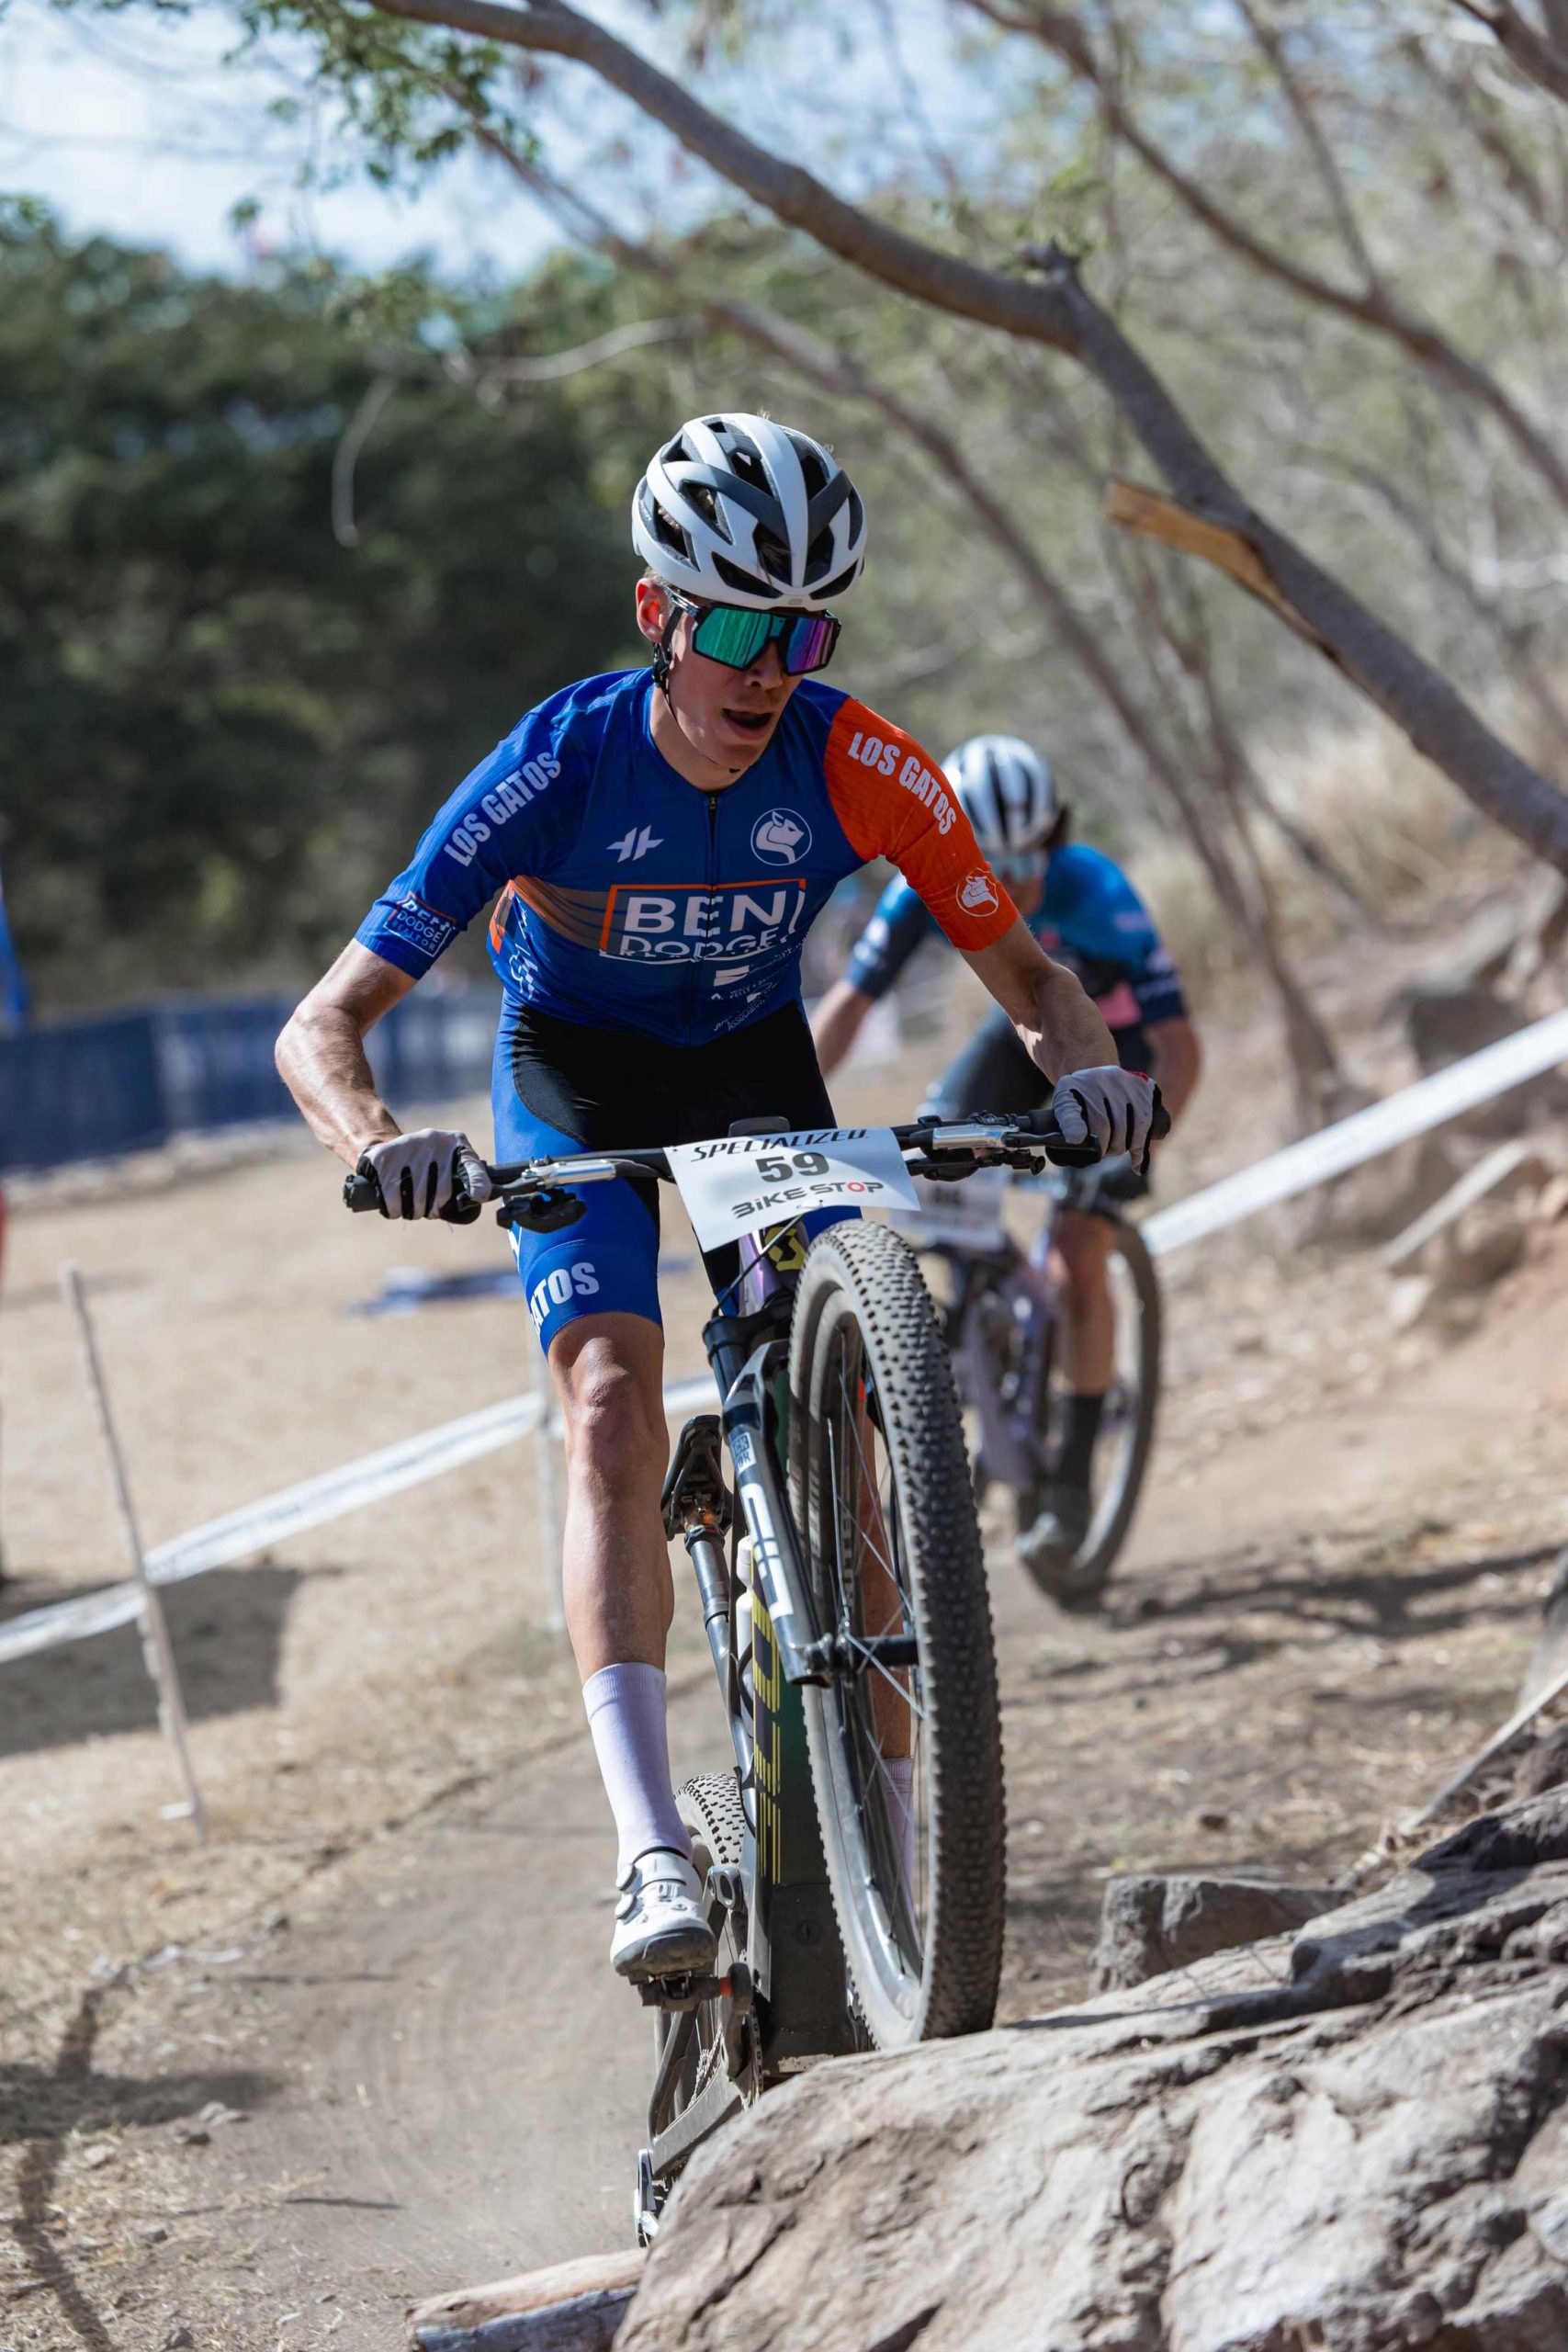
(221, 730)
(408, 91)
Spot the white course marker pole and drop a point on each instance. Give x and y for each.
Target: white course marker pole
(156, 1646)
(548, 1475)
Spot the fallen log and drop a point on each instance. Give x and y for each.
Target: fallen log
(570, 2307)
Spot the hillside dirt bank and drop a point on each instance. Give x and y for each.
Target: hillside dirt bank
(390, 1965)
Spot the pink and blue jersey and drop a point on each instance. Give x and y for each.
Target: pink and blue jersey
(1090, 918)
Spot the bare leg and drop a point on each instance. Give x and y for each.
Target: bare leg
(616, 1570)
(1082, 1246)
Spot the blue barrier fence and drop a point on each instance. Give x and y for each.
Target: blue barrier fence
(127, 1081)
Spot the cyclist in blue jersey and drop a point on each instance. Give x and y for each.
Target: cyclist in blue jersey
(655, 844)
(1086, 914)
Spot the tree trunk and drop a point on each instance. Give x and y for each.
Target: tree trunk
(1058, 311)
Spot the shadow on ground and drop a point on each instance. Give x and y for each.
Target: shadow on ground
(1379, 1597)
(227, 1629)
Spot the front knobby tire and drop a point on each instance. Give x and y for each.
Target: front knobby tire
(881, 1492)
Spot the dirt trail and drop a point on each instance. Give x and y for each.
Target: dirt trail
(392, 1962)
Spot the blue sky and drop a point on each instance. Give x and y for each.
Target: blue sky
(134, 125)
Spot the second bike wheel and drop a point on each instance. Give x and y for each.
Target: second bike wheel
(1127, 1427)
(906, 1746)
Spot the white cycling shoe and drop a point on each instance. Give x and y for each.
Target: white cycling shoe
(661, 1927)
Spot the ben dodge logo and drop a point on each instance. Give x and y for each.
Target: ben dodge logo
(781, 837)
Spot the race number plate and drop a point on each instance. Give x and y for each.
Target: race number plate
(740, 1185)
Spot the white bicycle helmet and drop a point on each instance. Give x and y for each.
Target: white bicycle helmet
(738, 509)
(1008, 791)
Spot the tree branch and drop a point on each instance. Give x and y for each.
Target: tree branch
(345, 457)
(1370, 305)
(1478, 124)
(1543, 60)
(1058, 310)
(551, 368)
(790, 193)
(1270, 41)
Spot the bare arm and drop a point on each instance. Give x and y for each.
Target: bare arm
(321, 1058)
(837, 1023)
(1057, 1026)
(1177, 1061)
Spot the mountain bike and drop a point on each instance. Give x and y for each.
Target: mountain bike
(1004, 1325)
(852, 1852)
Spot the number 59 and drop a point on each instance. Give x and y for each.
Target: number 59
(777, 1169)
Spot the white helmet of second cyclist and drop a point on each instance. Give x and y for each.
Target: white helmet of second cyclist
(1008, 791)
(739, 510)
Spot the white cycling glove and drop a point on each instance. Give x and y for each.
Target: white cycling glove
(417, 1173)
(1112, 1107)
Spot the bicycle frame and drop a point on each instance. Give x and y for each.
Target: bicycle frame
(791, 2002)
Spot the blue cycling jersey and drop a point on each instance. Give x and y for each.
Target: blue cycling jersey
(1090, 918)
(630, 899)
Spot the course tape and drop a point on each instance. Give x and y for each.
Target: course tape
(261, 1525)
(1362, 1137)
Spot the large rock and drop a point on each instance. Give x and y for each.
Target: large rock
(1148, 1925)
(1353, 2141)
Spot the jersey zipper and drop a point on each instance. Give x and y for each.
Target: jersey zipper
(710, 878)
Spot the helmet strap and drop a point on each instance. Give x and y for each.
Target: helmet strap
(663, 661)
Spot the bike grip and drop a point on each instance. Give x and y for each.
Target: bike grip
(361, 1192)
(1159, 1125)
(462, 1208)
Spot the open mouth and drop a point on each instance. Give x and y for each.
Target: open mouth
(750, 722)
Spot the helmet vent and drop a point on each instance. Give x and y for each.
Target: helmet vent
(669, 535)
(746, 583)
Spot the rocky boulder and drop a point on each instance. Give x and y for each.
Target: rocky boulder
(1149, 1926)
(1352, 2140)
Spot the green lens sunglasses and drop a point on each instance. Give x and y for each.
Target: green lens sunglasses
(736, 635)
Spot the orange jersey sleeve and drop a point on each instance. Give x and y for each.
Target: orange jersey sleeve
(892, 801)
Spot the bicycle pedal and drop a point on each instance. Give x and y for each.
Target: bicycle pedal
(681, 1992)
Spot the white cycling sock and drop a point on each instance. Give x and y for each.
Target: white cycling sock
(625, 1716)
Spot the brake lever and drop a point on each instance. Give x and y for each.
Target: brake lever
(951, 1168)
(550, 1210)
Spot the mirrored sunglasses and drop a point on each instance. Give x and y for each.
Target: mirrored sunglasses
(737, 636)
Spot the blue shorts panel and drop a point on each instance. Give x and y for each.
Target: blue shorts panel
(639, 1091)
(605, 1263)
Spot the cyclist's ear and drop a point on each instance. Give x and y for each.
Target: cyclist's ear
(655, 610)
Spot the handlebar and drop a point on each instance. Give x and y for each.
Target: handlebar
(950, 1148)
